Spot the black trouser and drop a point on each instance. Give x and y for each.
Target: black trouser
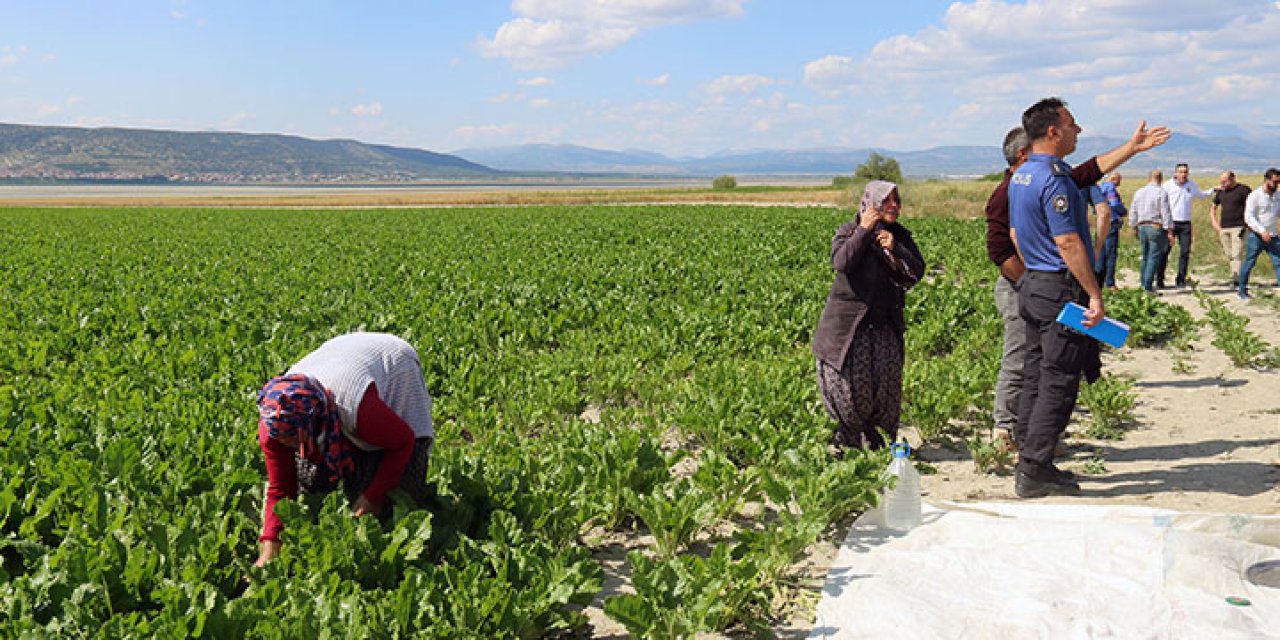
(313, 478)
(1055, 358)
(1183, 231)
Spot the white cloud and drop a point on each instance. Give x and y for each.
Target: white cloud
(646, 13)
(550, 33)
(11, 56)
(657, 81)
(373, 109)
(540, 103)
(826, 75)
(1123, 59)
(724, 86)
(1240, 86)
(540, 81)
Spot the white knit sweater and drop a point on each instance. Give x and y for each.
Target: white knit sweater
(348, 364)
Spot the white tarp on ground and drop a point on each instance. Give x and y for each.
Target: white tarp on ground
(1018, 570)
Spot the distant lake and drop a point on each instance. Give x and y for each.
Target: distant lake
(14, 192)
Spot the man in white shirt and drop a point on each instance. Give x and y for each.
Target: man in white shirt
(1260, 212)
(1182, 194)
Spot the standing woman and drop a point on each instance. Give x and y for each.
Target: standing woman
(355, 410)
(859, 340)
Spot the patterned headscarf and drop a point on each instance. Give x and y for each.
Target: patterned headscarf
(874, 195)
(297, 405)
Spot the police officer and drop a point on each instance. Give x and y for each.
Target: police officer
(1050, 221)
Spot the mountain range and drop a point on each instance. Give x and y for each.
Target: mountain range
(37, 153)
(1244, 153)
(71, 153)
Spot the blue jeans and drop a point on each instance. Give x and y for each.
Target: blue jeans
(1105, 266)
(1154, 244)
(1254, 246)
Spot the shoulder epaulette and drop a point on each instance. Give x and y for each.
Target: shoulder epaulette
(1060, 168)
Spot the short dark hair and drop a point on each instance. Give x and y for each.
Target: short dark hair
(1271, 173)
(1014, 141)
(1037, 119)
(1181, 165)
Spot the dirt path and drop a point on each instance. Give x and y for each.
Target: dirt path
(1206, 435)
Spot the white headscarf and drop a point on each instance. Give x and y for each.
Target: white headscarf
(874, 195)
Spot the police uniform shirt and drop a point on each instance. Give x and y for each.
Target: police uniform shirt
(1044, 202)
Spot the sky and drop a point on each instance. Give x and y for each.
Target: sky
(678, 77)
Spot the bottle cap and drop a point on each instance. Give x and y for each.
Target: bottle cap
(900, 449)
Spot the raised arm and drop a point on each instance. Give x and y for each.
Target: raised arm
(1143, 139)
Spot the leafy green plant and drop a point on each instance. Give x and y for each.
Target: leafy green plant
(1095, 466)
(728, 486)
(1109, 401)
(1231, 334)
(1151, 322)
(680, 596)
(989, 455)
(1182, 364)
(675, 514)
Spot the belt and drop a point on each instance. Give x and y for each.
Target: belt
(1149, 224)
(1063, 274)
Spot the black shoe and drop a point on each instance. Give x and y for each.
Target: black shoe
(1063, 475)
(1027, 487)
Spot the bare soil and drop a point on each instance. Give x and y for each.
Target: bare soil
(1206, 434)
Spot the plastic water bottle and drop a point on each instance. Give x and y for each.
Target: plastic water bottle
(901, 504)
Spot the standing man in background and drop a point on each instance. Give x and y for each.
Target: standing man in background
(1182, 194)
(1152, 220)
(1260, 213)
(1230, 196)
(1105, 265)
(1003, 253)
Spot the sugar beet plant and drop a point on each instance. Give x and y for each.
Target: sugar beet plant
(1232, 335)
(133, 342)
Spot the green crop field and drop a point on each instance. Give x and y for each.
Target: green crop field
(134, 340)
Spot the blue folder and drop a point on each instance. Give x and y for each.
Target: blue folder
(1110, 331)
